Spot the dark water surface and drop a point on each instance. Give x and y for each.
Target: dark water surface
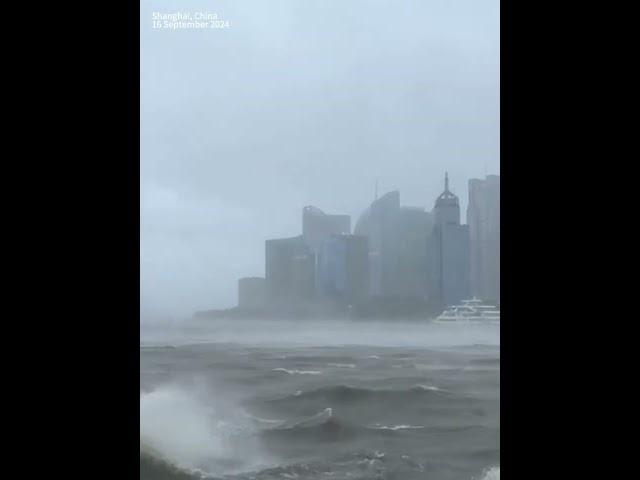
(283, 400)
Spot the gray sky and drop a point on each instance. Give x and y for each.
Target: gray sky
(301, 102)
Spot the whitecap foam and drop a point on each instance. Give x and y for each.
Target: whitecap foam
(266, 421)
(492, 473)
(298, 372)
(430, 388)
(342, 365)
(317, 419)
(377, 426)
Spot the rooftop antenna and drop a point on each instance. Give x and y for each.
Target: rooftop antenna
(446, 181)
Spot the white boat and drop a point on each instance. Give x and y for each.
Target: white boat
(471, 311)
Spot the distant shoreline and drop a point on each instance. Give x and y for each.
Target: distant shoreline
(380, 309)
(311, 313)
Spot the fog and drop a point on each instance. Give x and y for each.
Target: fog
(318, 333)
(300, 103)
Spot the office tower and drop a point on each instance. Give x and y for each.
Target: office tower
(317, 225)
(397, 237)
(343, 269)
(448, 252)
(414, 226)
(289, 271)
(483, 217)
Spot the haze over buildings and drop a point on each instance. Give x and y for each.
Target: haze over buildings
(302, 105)
(400, 260)
(483, 217)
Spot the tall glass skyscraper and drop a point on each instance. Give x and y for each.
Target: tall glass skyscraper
(483, 217)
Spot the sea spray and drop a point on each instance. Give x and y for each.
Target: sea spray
(192, 430)
(492, 473)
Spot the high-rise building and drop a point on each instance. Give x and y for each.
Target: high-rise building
(317, 225)
(289, 271)
(483, 217)
(448, 252)
(251, 293)
(397, 237)
(414, 227)
(343, 269)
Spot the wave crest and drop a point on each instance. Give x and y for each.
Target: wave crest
(178, 428)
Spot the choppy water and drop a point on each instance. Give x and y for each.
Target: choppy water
(280, 400)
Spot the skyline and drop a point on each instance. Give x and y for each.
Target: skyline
(377, 195)
(310, 108)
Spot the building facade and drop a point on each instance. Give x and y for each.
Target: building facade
(289, 271)
(343, 269)
(317, 226)
(483, 217)
(448, 252)
(397, 257)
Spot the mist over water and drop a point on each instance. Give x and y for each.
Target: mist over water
(316, 400)
(392, 333)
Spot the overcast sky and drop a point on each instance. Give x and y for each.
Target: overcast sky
(300, 102)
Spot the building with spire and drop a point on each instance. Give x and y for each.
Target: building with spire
(448, 252)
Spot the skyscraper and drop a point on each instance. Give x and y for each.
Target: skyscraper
(343, 269)
(317, 225)
(289, 271)
(483, 217)
(397, 256)
(448, 252)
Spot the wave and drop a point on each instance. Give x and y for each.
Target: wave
(492, 473)
(321, 427)
(262, 422)
(426, 388)
(157, 468)
(324, 426)
(316, 359)
(397, 427)
(315, 420)
(340, 394)
(193, 431)
(297, 372)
